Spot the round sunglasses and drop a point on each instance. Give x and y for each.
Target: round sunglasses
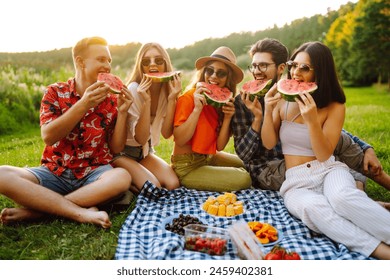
(147, 61)
(220, 73)
(303, 67)
(262, 66)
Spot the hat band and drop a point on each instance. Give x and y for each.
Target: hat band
(220, 56)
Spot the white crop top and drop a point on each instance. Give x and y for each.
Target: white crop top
(295, 138)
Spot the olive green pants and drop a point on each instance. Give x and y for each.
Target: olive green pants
(220, 172)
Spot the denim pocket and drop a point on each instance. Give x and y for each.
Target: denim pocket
(135, 153)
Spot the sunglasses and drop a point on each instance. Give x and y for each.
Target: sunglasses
(147, 61)
(262, 66)
(220, 73)
(304, 68)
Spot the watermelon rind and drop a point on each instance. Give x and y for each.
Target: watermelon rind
(257, 88)
(114, 83)
(283, 87)
(162, 77)
(218, 91)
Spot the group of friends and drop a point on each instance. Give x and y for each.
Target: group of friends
(100, 145)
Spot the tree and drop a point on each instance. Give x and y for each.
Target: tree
(370, 45)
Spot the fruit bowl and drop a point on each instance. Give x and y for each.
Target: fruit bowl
(176, 223)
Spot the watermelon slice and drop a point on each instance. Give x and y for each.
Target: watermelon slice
(162, 77)
(257, 88)
(218, 96)
(114, 82)
(290, 89)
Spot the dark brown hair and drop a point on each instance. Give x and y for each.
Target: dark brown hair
(278, 51)
(329, 88)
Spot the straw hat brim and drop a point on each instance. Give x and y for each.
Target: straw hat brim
(237, 72)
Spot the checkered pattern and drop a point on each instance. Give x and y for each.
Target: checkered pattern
(142, 236)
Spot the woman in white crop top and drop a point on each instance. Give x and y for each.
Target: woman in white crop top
(319, 190)
(150, 116)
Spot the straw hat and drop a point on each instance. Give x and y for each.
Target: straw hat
(225, 55)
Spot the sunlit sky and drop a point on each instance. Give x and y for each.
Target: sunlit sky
(40, 25)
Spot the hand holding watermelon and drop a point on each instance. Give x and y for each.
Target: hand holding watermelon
(215, 95)
(228, 108)
(174, 87)
(271, 99)
(143, 88)
(199, 101)
(94, 94)
(307, 107)
(125, 100)
(254, 106)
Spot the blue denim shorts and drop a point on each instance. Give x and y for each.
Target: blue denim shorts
(67, 182)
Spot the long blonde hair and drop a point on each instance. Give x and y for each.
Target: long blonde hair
(136, 75)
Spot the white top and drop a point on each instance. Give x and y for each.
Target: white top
(156, 122)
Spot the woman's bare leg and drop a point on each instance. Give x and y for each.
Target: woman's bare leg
(162, 171)
(139, 173)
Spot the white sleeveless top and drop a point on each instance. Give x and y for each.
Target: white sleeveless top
(295, 138)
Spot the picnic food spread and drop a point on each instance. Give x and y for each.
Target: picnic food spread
(247, 238)
(224, 205)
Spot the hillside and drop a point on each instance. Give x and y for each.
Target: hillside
(357, 34)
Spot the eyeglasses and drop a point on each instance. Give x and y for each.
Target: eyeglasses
(147, 61)
(262, 66)
(303, 67)
(220, 73)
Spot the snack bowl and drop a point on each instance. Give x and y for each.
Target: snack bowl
(267, 234)
(168, 223)
(206, 239)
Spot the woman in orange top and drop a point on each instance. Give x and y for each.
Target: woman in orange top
(201, 131)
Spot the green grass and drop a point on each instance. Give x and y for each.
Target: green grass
(368, 116)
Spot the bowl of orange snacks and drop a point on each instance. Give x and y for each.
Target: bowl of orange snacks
(265, 233)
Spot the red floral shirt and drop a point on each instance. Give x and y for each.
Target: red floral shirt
(86, 146)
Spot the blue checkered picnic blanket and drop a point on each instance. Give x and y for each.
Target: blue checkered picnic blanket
(143, 237)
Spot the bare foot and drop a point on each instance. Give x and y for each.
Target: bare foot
(91, 215)
(94, 216)
(12, 215)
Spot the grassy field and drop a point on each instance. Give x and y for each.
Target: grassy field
(368, 116)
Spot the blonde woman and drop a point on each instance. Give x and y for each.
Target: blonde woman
(150, 116)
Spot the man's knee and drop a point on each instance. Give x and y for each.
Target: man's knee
(349, 152)
(9, 173)
(120, 176)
